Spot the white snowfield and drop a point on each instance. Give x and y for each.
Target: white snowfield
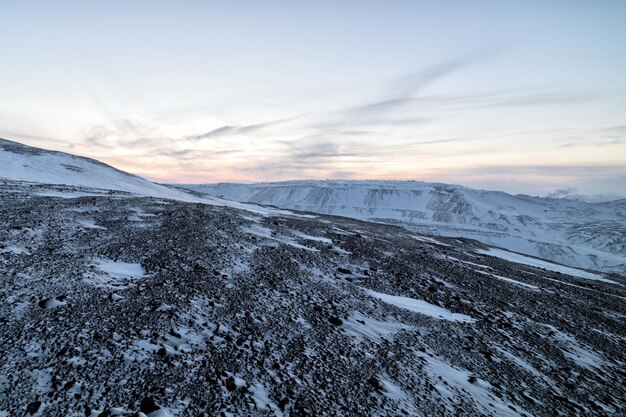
(25, 163)
(573, 233)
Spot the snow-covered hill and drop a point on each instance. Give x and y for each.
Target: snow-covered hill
(588, 235)
(26, 163)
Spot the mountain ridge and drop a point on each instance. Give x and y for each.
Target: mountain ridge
(579, 234)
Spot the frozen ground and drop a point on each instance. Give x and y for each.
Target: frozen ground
(118, 304)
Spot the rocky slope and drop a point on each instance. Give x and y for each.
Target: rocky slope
(579, 234)
(115, 304)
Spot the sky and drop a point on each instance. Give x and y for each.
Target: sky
(525, 97)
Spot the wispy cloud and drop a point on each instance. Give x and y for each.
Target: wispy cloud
(404, 89)
(124, 132)
(229, 130)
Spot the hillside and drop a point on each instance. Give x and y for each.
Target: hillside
(124, 305)
(574, 233)
(19, 162)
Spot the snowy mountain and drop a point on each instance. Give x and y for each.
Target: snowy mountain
(26, 163)
(579, 234)
(117, 303)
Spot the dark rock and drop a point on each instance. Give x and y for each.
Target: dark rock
(375, 383)
(335, 320)
(148, 405)
(230, 384)
(33, 407)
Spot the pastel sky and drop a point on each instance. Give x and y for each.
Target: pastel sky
(525, 96)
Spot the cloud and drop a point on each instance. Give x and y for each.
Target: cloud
(316, 151)
(396, 133)
(571, 193)
(600, 137)
(191, 154)
(229, 130)
(404, 89)
(124, 132)
(562, 192)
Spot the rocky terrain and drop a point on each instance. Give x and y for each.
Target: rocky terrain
(575, 233)
(118, 304)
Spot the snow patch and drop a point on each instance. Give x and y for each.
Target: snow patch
(453, 384)
(262, 399)
(315, 238)
(575, 352)
(90, 224)
(539, 263)
(422, 307)
(114, 274)
(512, 281)
(361, 327)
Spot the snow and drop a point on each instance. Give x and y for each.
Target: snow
(539, 263)
(49, 303)
(67, 194)
(29, 164)
(422, 307)
(451, 383)
(393, 391)
(118, 269)
(160, 413)
(512, 281)
(262, 399)
(264, 232)
(314, 238)
(575, 352)
(584, 288)
(90, 224)
(429, 240)
(114, 274)
(258, 230)
(25, 163)
(18, 250)
(523, 364)
(579, 234)
(361, 327)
